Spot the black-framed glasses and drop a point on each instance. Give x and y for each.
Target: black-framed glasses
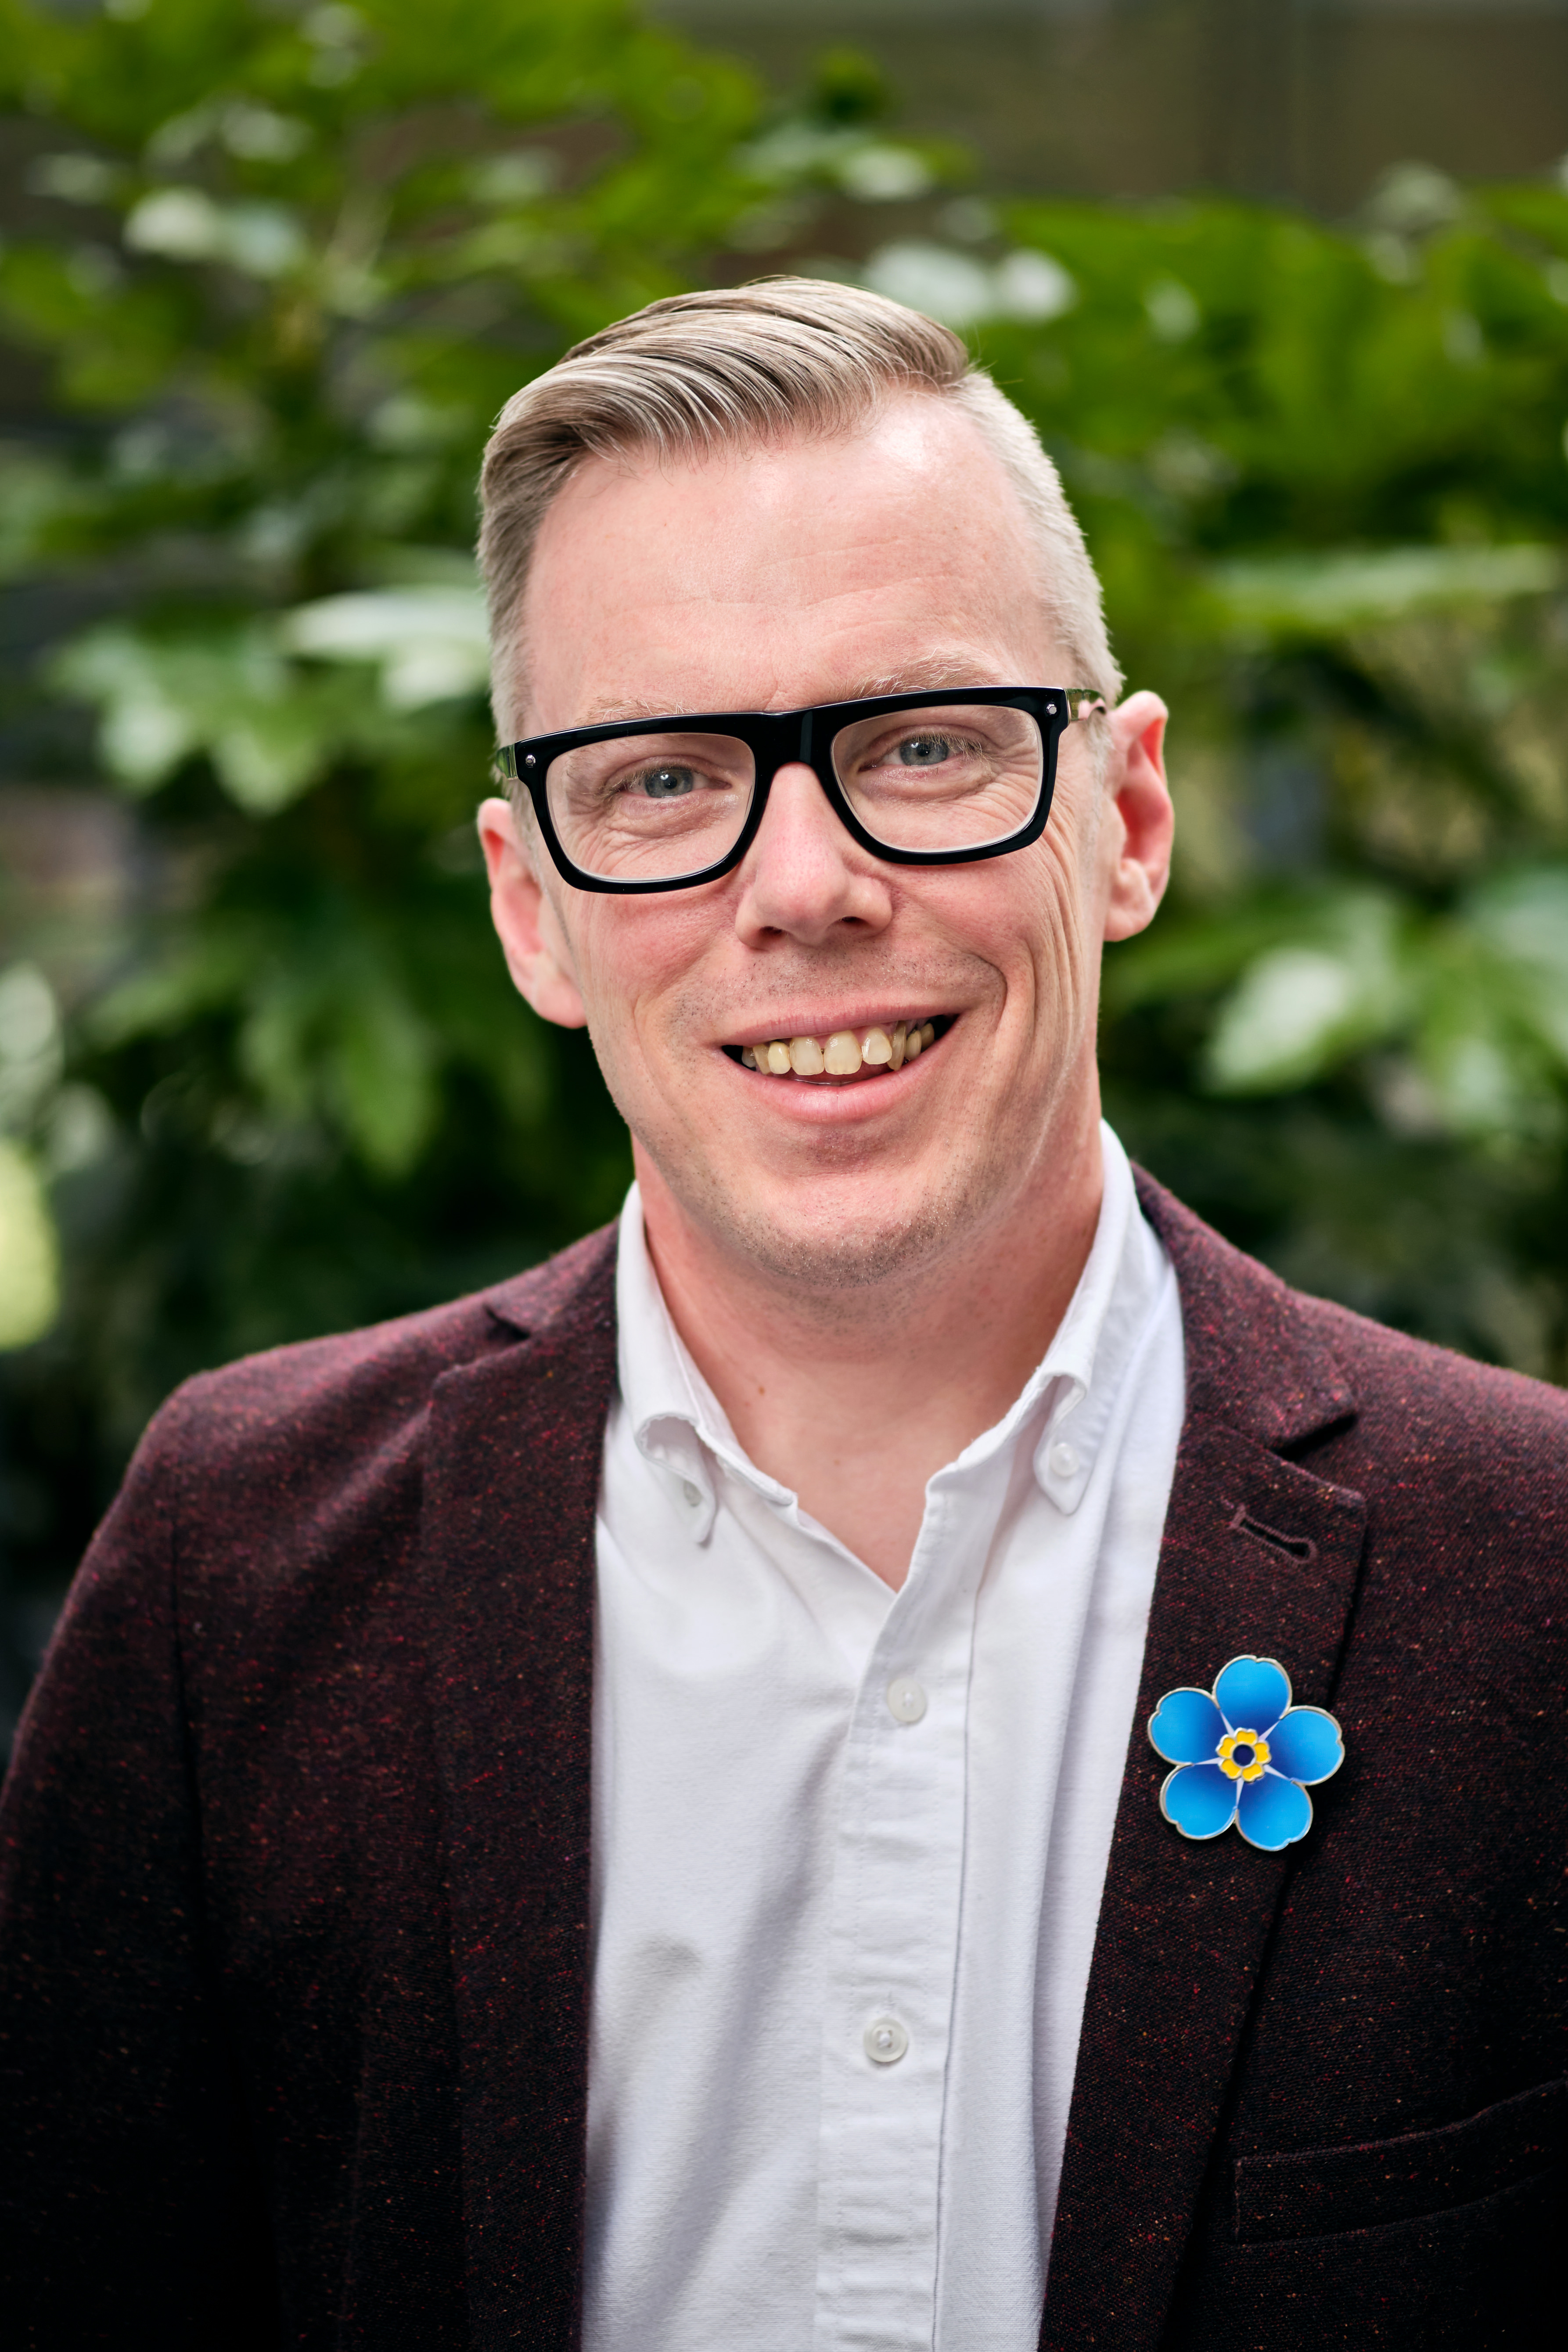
(916, 779)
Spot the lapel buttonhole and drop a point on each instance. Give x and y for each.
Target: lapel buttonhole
(1302, 1547)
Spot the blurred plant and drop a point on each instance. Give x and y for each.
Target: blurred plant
(280, 267)
(279, 264)
(30, 1077)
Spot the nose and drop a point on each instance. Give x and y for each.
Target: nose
(804, 875)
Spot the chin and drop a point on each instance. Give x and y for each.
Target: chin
(840, 1235)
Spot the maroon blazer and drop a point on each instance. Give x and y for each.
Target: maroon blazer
(294, 1955)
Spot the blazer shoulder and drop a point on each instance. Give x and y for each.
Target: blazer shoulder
(1372, 1406)
(318, 1403)
(1430, 1404)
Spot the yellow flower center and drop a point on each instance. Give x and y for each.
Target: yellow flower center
(1242, 1755)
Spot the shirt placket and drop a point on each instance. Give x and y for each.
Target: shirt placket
(893, 1944)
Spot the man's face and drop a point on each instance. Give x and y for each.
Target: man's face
(818, 572)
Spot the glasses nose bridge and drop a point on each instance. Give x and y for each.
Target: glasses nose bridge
(792, 738)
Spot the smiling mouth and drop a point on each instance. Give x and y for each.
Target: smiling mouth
(872, 1051)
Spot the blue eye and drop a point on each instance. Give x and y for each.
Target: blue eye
(666, 783)
(925, 750)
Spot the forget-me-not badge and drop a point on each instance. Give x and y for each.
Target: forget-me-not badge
(1244, 1754)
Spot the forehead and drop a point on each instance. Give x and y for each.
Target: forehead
(811, 570)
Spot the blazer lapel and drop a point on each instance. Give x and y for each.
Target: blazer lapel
(1258, 1555)
(515, 1452)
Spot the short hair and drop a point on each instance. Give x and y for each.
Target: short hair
(744, 365)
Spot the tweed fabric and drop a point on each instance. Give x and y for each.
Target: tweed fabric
(294, 1861)
(294, 1871)
(1270, 2040)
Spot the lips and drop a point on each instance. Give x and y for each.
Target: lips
(869, 1051)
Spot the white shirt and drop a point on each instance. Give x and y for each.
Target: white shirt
(849, 1845)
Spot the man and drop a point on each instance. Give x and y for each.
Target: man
(621, 1811)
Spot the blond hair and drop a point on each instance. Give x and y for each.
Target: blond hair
(746, 364)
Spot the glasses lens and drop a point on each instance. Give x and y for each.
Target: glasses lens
(651, 808)
(956, 776)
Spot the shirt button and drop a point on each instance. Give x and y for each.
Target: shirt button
(693, 1493)
(885, 2042)
(905, 1699)
(1063, 1459)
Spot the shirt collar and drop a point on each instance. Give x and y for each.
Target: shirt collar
(1091, 1353)
(678, 1423)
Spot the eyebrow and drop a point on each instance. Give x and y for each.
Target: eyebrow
(937, 674)
(608, 707)
(947, 673)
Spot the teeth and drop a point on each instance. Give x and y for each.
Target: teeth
(844, 1053)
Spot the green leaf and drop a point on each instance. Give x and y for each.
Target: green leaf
(1328, 593)
(431, 644)
(227, 692)
(379, 1076)
(206, 969)
(30, 1252)
(1306, 1003)
(1522, 919)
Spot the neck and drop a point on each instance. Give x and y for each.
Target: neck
(839, 1403)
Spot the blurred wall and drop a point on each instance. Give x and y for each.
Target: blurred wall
(1305, 99)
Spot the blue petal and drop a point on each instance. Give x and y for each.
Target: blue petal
(1200, 1800)
(1187, 1727)
(1305, 1745)
(1253, 1691)
(1274, 1812)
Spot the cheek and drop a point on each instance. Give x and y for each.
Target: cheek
(1071, 883)
(632, 957)
(1054, 982)
(1060, 897)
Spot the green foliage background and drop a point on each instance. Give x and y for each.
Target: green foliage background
(281, 268)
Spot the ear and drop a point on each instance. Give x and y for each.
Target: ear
(1140, 821)
(537, 954)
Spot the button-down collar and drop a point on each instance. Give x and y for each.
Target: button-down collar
(681, 1427)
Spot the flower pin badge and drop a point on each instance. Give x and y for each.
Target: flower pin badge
(1244, 1754)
